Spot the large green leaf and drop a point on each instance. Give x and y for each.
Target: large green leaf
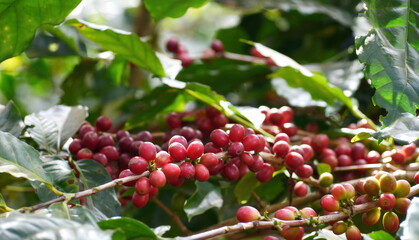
(244, 188)
(404, 130)
(104, 204)
(131, 228)
(36, 227)
(20, 19)
(171, 8)
(391, 53)
(21, 160)
(380, 235)
(62, 177)
(79, 214)
(124, 44)
(205, 197)
(53, 127)
(10, 120)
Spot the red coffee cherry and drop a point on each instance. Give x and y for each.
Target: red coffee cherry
(339, 192)
(173, 120)
(304, 171)
(148, 151)
(294, 160)
(177, 151)
(353, 233)
(142, 186)
(409, 150)
(235, 149)
(103, 123)
(209, 160)
(257, 163)
(247, 214)
(358, 151)
(416, 178)
(401, 205)
(171, 170)
(219, 138)
(372, 186)
(236, 133)
(291, 233)
(75, 146)
(373, 157)
(331, 160)
(300, 189)
(250, 142)
(265, 173)
(100, 158)
(281, 148)
(320, 142)
(84, 153)
(283, 137)
(285, 214)
(126, 173)
(111, 153)
(231, 172)
(350, 190)
(343, 150)
(157, 179)
(201, 173)
(195, 150)
(387, 201)
(172, 45)
(90, 140)
(398, 156)
(139, 200)
(308, 212)
(287, 113)
(180, 139)
(163, 158)
(217, 46)
(138, 165)
(290, 129)
(85, 129)
(329, 203)
(187, 171)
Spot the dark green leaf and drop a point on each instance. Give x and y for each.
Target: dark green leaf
(245, 187)
(104, 204)
(380, 235)
(20, 19)
(124, 44)
(10, 120)
(130, 227)
(391, 54)
(273, 188)
(323, 167)
(171, 8)
(21, 160)
(35, 227)
(79, 214)
(205, 197)
(53, 127)
(62, 177)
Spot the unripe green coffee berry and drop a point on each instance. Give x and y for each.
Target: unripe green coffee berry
(388, 183)
(402, 189)
(401, 205)
(371, 217)
(339, 227)
(326, 179)
(353, 233)
(372, 186)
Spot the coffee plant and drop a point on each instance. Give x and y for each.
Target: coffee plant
(173, 119)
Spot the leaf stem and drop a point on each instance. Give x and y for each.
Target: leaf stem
(175, 218)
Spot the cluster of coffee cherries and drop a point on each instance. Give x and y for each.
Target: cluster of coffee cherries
(391, 195)
(92, 143)
(180, 52)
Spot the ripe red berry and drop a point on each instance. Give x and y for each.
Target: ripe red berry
(292, 233)
(185, 58)
(275, 117)
(312, 127)
(344, 160)
(326, 152)
(219, 121)
(257, 163)
(373, 157)
(372, 186)
(90, 140)
(398, 156)
(100, 158)
(281, 148)
(180, 139)
(350, 190)
(304, 171)
(401, 205)
(236, 133)
(343, 150)
(320, 142)
(339, 192)
(212, 148)
(121, 134)
(172, 45)
(307, 152)
(85, 129)
(390, 222)
(173, 120)
(353, 233)
(294, 160)
(111, 153)
(209, 160)
(231, 172)
(148, 151)
(409, 150)
(144, 136)
(300, 189)
(290, 129)
(265, 173)
(103, 123)
(195, 150)
(105, 140)
(138, 165)
(187, 171)
(283, 137)
(187, 132)
(126, 173)
(142, 186)
(75, 146)
(363, 199)
(358, 151)
(110, 170)
(84, 153)
(235, 149)
(153, 191)
(171, 170)
(217, 46)
(177, 151)
(219, 137)
(387, 201)
(163, 158)
(201, 173)
(308, 212)
(329, 203)
(176, 182)
(125, 144)
(139, 200)
(217, 168)
(246, 158)
(416, 178)
(250, 142)
(157, 179)
(247, 214)
(287, 113)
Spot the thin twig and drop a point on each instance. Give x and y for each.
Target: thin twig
(175, 218)
(282, 223)
(259, 201)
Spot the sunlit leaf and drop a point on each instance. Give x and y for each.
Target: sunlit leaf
(10, 120)
(171, 8)
(205, 197)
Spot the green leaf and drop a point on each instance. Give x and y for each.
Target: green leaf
(26, 226)
(380, 235)
(62, 176)
(360, 136)
(21, 160)
(10, 120)
(323, 167)
(124, 44)
(79, 214)
(53, 127)
(205, 197)
(3, 206)
(105, 203)
(244, 188)
(171, 8)
(391, 53)
(130, 227)
(404, 130)
(273, 188)
(20, 19)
